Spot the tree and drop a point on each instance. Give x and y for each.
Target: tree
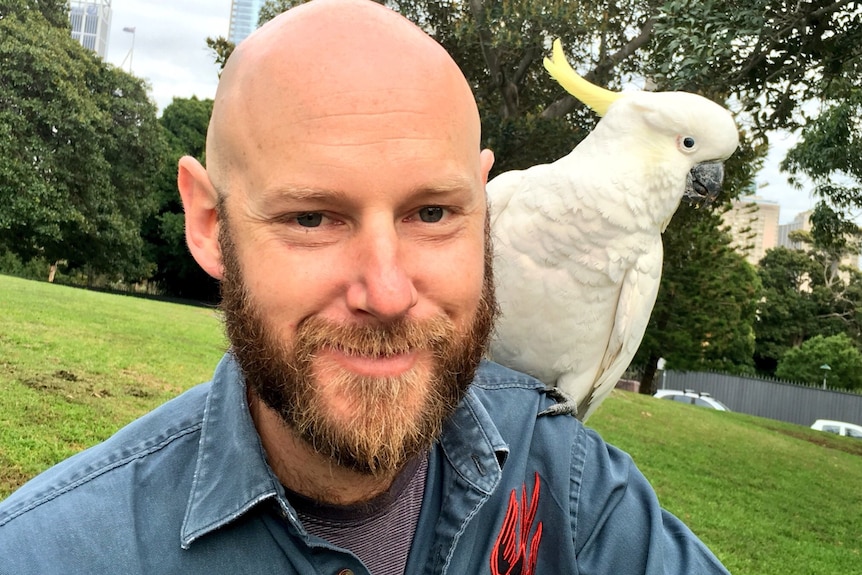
(55, 12)
(184, 122)
(838, 352)
(808, 292)
(787, 311)
(79, 149)
(705, 313)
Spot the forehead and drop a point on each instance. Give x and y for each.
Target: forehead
(359, 137)
(337, 96)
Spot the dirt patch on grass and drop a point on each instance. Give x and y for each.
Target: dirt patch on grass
(847, 445)
(66, 384)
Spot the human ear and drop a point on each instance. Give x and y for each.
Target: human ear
(199, 204)
(486, 160)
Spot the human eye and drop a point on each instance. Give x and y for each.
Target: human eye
(431, 214)
(309, 219)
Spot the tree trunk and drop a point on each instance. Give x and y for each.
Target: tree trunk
(648, 380)
(52, 271)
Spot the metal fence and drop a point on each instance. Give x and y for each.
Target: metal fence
(773, 399)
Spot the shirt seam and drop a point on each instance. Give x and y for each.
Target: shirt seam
(99, 471)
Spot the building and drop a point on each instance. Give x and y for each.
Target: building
(753, 225)
(91, 24)
(802, 222)
(243, 19)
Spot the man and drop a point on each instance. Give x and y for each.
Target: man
(343, 209)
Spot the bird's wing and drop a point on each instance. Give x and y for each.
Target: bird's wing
(637, 297)
(502, 189)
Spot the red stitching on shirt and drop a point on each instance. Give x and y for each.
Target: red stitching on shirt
(514, 552)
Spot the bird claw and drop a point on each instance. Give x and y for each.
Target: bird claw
(565, 405)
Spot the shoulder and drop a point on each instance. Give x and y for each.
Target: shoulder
(174, 425)
(512, 398)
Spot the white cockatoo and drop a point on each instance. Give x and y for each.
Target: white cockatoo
(578, 251)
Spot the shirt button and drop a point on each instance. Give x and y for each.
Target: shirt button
(345, 572)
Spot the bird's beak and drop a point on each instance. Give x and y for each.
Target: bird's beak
(703, 183)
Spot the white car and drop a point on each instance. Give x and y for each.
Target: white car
(691, 397)
(838, 428)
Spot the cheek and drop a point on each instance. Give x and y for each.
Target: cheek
(290, 285)
(455, 279)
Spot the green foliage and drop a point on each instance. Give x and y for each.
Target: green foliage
(763, 52)
(34, 269)
(184, 122)
(705, 312)
(221, 48)
(79, 149)
(829, 152)
(55, 12)
(787, 313)
(804, 363)
(808, 292)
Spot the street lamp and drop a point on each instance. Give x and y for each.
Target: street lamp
(826, 369)
(130, 30)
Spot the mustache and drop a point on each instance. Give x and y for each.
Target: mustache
(374, 340)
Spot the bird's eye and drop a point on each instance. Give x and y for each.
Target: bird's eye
(688, 143)
(431, 214)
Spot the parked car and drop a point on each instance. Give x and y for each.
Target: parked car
(838, 427)
(691, 397)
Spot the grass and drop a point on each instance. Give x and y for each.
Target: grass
(769, 498)
(76, 365)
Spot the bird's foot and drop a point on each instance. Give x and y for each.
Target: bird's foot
(565, 405)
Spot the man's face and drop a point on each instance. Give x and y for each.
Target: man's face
(357, 288)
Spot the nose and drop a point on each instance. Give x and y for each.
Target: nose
(383, 287)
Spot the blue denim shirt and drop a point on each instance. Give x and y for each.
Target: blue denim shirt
(187, 489)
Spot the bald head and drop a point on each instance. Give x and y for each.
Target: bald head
(327, 59)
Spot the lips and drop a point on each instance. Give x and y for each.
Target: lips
(370, 365)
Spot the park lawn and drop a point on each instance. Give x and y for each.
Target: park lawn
(77, 365)
(769, 498)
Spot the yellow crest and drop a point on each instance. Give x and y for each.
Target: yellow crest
(597, 98)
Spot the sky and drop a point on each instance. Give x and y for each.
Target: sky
(170, 52)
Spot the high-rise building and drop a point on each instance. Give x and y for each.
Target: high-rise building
(243, 19)
(753, 224)
(91, 23)
(802, 222)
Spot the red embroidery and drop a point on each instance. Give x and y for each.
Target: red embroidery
(515, 553)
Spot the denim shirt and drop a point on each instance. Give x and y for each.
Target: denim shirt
(187, 489)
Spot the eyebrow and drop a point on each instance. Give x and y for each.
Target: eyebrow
(289, 192)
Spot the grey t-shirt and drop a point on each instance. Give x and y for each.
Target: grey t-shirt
(380, 531)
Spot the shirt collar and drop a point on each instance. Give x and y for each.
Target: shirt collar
(232, 475)
(472, 443)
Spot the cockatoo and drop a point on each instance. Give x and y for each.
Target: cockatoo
(578, 251)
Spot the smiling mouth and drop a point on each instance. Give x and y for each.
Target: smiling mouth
(377, 363)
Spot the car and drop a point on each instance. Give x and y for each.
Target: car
(691, 397)
(838, 428)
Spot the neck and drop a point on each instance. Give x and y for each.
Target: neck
(303, 470)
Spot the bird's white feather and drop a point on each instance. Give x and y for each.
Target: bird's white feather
(577, 242)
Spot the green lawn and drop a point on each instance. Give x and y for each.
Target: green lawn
(769, 498)
(76, 365)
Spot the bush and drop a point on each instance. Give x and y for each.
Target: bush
(804, 363)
